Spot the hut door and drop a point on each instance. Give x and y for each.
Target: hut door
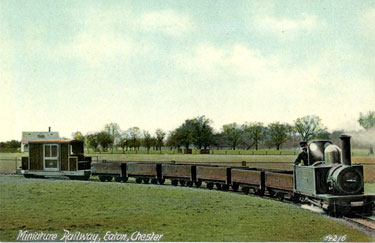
(51, 157)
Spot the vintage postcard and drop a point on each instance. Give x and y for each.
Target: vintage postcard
(187, 121)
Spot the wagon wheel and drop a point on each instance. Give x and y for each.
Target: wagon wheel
(271, 193)
(218, 186)
(280, 196)
(154, 181)
(146, 180)
(174, 182)
(235, 187)
(198, 183)
(245, 190)
(210, 185)
(118, 179)
(182, 182)
(125, 179)
(161, 181)
(295, 198)
(109, 178)
(225, 187)
(189, 183)
(259, 192)
(138, 180)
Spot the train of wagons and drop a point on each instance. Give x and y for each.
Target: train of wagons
(330, 181)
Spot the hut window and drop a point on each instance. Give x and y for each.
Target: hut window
(50, 150)
(47, 151)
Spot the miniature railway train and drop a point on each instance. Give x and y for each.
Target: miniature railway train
(330, 181)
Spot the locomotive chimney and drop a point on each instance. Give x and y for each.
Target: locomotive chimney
(49, 129)
(345, 148)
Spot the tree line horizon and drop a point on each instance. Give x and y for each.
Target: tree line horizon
(198, 133)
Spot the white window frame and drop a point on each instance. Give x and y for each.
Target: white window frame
(51, 158)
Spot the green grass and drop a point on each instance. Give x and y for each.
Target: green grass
(181, 214)
(370, 188)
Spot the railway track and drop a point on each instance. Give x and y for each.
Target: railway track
(364, 223)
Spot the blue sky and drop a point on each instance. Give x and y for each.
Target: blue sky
(76, 65)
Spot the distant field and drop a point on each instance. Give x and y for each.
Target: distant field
(180, 213)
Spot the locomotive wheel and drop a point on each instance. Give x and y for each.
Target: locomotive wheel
(198, 183)
(138, 180)
(295, 198)
(245, 190)
(102, 178)
(118, 179)
(174, 182)
(218, 186)
(235, 187)
(154, 181)
(125, 179)
(225, 187)
(182, 182)
(210, 185)
(189, 183)
(161, 181)
(146, 180)
(109, 178)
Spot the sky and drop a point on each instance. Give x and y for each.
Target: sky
(77, 65)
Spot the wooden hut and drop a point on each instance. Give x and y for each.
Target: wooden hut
(56, 158)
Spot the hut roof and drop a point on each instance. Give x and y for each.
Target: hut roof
(32, 136)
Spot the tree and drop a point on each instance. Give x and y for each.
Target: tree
(172, 140)
(185, 133)
(105, 140)
(278, 133)
(78, 136)
(91, 141)
(367, 121)
(232, 133)
(134, 134)
(219, 140)
(309, 126)
(256, 131)
(202, 132)
(147, 140)
(160, 135)
(124, 143)
(114, 130)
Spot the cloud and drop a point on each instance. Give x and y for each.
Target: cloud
(286, 27)
(109, 34)
(366, 23)
(166, 21)
(251, 82)
(97, 49)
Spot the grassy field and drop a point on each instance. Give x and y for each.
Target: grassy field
(181, 214)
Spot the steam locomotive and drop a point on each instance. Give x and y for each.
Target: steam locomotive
(330, 181)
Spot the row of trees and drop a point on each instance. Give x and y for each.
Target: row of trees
(199, 133)
(10, 146)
